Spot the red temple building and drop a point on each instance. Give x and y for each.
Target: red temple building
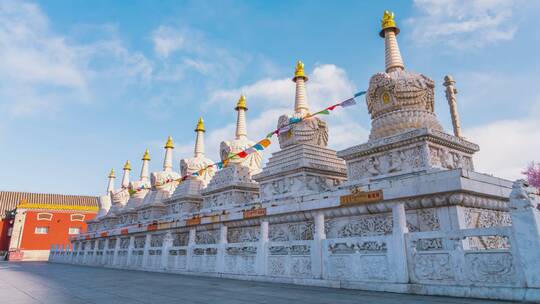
(31, 222)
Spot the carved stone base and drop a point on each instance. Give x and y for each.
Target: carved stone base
(230, 187)
(407, 152)
(299, 170)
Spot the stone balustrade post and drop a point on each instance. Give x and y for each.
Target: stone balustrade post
(189, 253)
(96, 249)
(130, 251)
(116, 249)
(104, 252)
(220, 259)
(316, 249)
(167, 244)
(262, 249)
(146, 255)
(525, 215)
(398, 253)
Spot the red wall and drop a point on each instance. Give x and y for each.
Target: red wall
(4, 238)
(58, 229)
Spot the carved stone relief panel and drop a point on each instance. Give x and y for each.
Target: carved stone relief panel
(484, 218)
(491, 267)
(361, 225)
(291, 231)
(180, 239)
(140, 241)
(389, 162)
(157, 240)
(243, 234)
(207, 237)
(423, 220)
(433, 267)
(112, 243)
(447, 158)
(124, 243)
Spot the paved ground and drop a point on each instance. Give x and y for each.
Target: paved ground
(58, 284)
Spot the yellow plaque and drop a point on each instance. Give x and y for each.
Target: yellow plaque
(255, 213)
(361, 198)
(193, 221)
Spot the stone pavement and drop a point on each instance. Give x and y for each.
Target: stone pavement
(59, 283)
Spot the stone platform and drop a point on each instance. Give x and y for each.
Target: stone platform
(55, 283)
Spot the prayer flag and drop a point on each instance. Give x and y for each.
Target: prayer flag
(331, 108)
(347, 103)
(324, 112)
(294, 120)
(284, 129)
(265, 142)
(360, 93)
(271, 134)
(219, 165)
(251, 150)
(258, 147)
(242, 154)
(195, 174)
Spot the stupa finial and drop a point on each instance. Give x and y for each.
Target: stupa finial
(200, 125)
(111, 174)
(241, 103)
(169, 144)
(199, 139)
(393, 60)
(241, 126)
(300, 101)
(299, 71)
(127, 165)
(146, 155)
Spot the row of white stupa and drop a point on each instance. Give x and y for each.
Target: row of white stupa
(398, 100)
(151, 189)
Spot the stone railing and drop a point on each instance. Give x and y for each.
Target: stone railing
(497, 262)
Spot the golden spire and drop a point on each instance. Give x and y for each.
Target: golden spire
(111, 174)
(146, 155)
(127, 166)
(169, 144)
(388, 22)
(299, 72)
(241, 103)
(200, 125)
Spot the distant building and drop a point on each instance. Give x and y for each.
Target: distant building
(31, 222)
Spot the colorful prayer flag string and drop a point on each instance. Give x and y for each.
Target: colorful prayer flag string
(265, 143)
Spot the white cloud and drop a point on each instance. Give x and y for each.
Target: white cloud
(463, 24)
(168, 40)
(506, 146)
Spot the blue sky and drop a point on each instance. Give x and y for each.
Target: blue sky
(85, 85)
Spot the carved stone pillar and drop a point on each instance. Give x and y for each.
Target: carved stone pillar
(398, 253)
(262, 250)
(316, 250)
(220, 262)
(191, 243)
(526, 231)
